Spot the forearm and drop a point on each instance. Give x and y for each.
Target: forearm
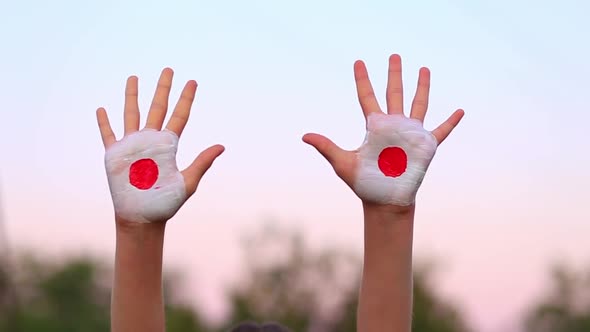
(137, 299)
(385, 300)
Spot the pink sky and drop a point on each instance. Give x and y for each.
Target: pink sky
(494, 262)
(504, 198)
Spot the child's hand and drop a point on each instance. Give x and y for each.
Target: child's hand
(389, 166)
(145, 183)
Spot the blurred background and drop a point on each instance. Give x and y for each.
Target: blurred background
(272, 234)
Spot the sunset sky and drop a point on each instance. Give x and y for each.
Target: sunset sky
(505, 197)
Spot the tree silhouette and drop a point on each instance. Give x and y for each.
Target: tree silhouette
(308, 290)
(566, 306)
(283, 280)
(74, 296)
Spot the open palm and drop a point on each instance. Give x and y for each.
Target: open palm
(145, 183)
(389, 166)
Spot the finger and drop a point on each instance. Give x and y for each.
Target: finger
(365, 92)
(332, 152)
(108, 137)
(442, 131)
(131, 112)
(395, 91)
(194, 173)
(182, 110)
(420, 103)
(160, 102)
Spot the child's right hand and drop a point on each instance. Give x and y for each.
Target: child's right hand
(144, 180)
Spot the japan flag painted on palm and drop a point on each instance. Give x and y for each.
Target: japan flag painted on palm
(143, 177)
(393, 159)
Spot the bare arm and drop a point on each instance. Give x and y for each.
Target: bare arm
(385, 299)
(147, 190)
(385, 173)
(137, 301)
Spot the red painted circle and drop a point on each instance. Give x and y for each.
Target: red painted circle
(143, 173)
(393, 161)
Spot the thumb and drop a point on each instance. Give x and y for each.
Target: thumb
(332, 152)
(198, 168)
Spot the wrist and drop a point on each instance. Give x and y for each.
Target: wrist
(388, 234)
(388, 225)
(389, 212)
(139, 231)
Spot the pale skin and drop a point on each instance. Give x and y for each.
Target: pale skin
(137, 299)
(385, 299)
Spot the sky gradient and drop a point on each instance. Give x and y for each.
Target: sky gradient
(505, 196)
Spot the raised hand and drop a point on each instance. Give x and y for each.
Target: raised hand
(144, 180)
(391, 163)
